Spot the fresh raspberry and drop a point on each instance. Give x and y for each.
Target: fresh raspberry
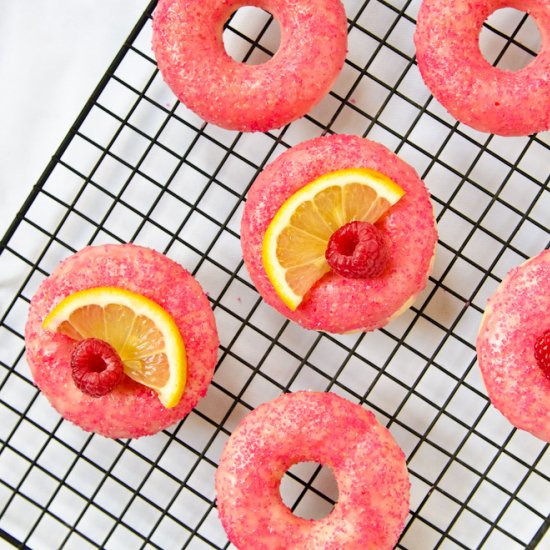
(542, 352)
(96, 367)
(357, 250)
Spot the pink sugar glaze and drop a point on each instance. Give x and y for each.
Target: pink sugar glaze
(335, 303)
(131, 409)
(368, 466)
(515, 316)
(463, 81)
(188, 45)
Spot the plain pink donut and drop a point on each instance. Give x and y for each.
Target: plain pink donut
(335, 303)
(131, 409)
(188, 44)
(509, 103)
(515, 316)
(368, 466)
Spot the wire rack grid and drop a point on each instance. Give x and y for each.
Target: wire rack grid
(138, 166)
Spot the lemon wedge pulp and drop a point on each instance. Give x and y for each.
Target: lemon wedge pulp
(143, 333)
(294, 245)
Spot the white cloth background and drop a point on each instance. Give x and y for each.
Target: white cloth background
(52, 54)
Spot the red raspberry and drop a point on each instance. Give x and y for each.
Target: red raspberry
(357, 250)
(542, 352)
(96, 367)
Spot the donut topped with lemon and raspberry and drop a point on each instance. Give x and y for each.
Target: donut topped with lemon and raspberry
(121, 306)
(307, 238)
(513, 346)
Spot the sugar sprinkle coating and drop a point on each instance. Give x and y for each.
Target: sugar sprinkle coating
(515, 316)
(188, 45)
(368, 466)
(130, 409)
(508, 103)
(335, 303)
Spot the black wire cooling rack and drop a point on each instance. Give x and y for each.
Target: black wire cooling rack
(138, 166)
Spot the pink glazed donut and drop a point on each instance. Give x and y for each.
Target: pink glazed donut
(515, 317)
(368, 466)
(130, 409)
(188, 45)
(509, 103)
(335, 303)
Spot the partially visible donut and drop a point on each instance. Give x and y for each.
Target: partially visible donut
(335, 303)
(368, 466)
(130, 409)
(188, 45)
(509, 103)
(516, 316)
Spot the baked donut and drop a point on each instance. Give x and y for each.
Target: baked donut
(188, 45)
(130, 409)
(336, 303)
(515, 320)
(509, 103)
(368, 466)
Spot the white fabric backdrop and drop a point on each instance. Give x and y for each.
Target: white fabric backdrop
(52, 54)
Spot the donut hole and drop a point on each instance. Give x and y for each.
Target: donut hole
(309, 490)
(251, 35)
(510, 39)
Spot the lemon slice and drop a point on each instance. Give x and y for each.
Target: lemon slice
(142, 332)
(295, 242)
